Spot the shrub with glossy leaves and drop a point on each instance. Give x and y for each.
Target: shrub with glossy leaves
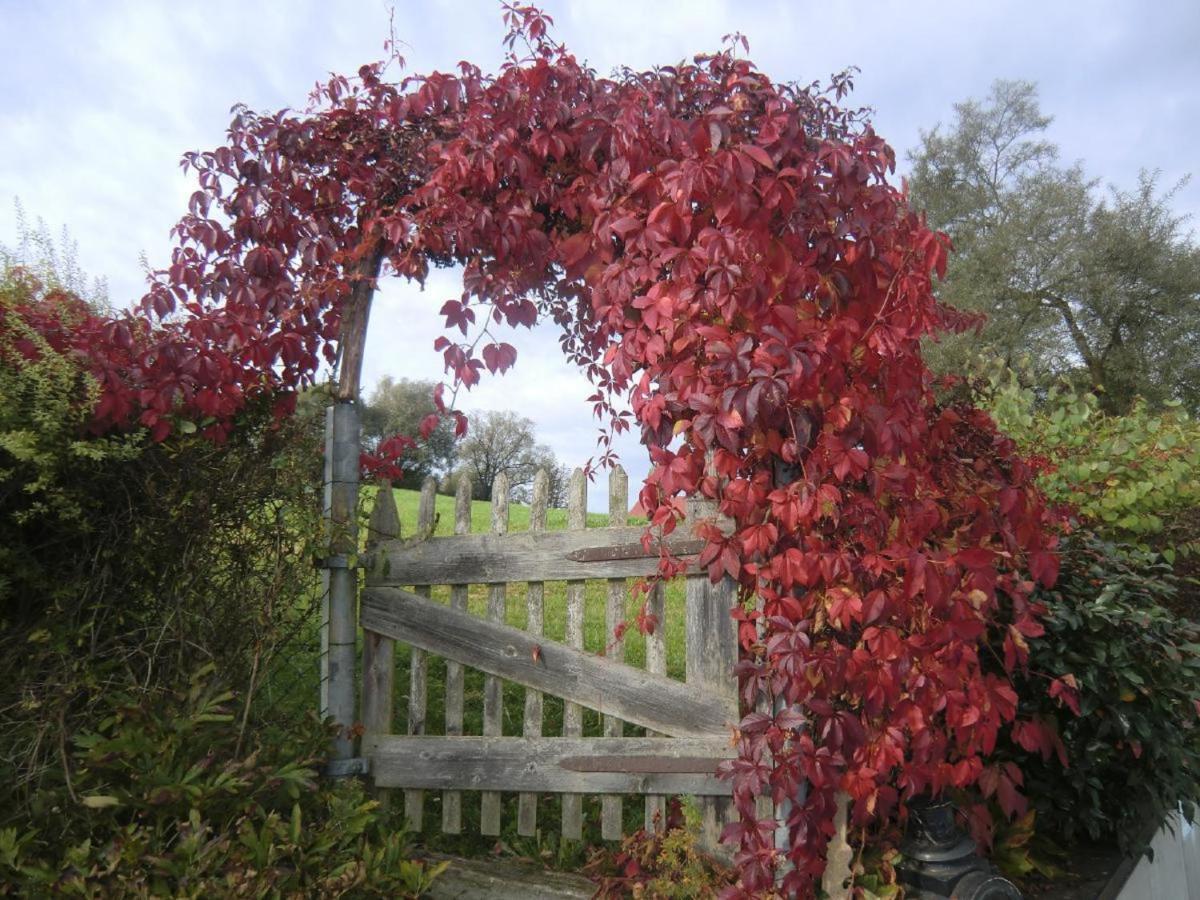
(1129, 732)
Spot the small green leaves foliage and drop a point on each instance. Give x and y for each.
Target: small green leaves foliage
(168, 802)
(1130, 476)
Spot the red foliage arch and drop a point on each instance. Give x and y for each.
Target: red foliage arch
(727, 253)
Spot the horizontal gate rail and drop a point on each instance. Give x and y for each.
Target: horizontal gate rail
(605, 765)
(531, 555)
(634, 695)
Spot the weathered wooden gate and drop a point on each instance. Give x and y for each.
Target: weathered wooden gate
(682, 727)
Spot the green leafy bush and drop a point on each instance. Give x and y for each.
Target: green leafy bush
(171, 796)
(1133, 477)
(1133, 748)
(125, 564)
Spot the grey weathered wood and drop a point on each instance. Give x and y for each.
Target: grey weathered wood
(452, 800)
(379, 652)
(656, 664)
(614, 615)
(712, 651)
(764, 804)
(554, 556)
(534, 598)
(326, 531)
(572, 804)
(839, 855)
(493, 687)
(556, 764)
(652, 701)
(418, 694)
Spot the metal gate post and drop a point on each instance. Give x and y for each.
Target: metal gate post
(341, 503)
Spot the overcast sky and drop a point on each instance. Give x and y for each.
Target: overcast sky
(100, 99)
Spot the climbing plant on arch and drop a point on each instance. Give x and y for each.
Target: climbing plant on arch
(726, 254)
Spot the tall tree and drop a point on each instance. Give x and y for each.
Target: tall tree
(503, 442)
(397, 407)
(1104, 292)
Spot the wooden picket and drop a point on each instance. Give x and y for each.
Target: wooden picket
(452, 800)
(687, 724)
(534, 616)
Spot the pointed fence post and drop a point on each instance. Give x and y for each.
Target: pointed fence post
(572, 804)
(534, 597)
(614, 614)
(418, 699)
(493, 687)
(452, 800)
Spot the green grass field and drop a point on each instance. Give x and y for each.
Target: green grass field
(481, 515)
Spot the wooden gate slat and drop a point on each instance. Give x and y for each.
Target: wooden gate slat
(418, 692)
(614, 614)
(550, 556)
(712, 652)
(379, 652)
(493, 687)
(572, 804)
(656, 664)
(452, 800)
(586, 679)
(552, 764)
(534, 597)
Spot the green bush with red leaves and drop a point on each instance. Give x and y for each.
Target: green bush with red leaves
(1123, 745)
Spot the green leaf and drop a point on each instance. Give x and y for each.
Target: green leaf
(99, 801)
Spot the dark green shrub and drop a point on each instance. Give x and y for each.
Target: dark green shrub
(170, 795)
(124, 565)
(1134, 747)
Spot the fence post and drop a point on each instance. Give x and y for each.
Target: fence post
(340, 603)
(712, 652)
(341, 620)
(379, 652)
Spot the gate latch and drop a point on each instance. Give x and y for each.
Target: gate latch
(344, 768)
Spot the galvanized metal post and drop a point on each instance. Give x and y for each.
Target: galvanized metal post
(339, 638)
(341, 491)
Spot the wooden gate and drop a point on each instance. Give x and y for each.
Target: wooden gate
(679, 730)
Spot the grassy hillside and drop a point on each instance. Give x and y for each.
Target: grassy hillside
(481, 515)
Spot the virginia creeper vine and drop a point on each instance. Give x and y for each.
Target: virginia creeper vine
(726, 254)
